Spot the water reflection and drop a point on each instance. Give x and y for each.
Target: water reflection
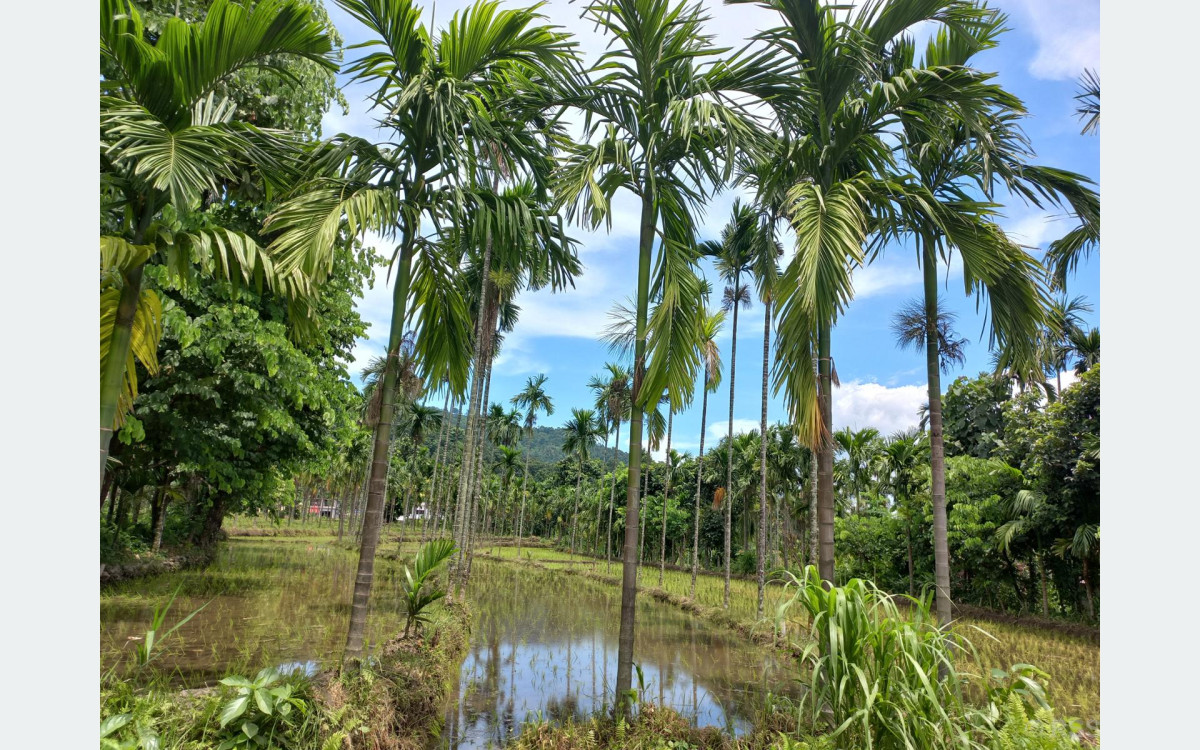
(545, 645)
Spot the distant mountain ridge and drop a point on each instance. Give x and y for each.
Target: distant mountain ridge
(545, 445)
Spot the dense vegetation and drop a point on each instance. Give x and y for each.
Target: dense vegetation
(232, 257)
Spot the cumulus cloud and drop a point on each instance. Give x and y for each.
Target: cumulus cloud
(875, 280)
(718, 430)
(859, 404)
(1068, 36)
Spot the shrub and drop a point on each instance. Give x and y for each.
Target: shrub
(884, 679)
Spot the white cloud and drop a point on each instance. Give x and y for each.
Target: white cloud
(1036, 229)
(874, 280)
(718, 430)
(858, 404)
(1068, 36)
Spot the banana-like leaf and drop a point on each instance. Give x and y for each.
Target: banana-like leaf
(118, 255)
(145, 335)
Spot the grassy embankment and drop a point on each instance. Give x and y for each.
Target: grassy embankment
(393, 702)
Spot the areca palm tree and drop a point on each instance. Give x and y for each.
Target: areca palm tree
(903, 456)
(462, 106)
(1085, 346)
(613, 400)
(861, 448)
(842, 118)
(533, 399)
(1089, 101)
(507, 462)
(1063, 320)
(735, 256)
(710, 354)
(582, 432)
(659, 122)
(166, 139)
(947, 167)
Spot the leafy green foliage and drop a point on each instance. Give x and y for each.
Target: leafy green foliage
(885, 678)
(418, 596)
(110, 734)
(262, 712)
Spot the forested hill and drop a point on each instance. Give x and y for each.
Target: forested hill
(546, 444)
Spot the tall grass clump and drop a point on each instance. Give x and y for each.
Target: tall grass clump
(881, 677)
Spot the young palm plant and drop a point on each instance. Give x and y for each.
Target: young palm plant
(418, 592)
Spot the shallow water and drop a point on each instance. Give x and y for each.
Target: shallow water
(546, 644)
(542, 644)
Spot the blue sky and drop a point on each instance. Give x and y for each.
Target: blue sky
(1039, 59)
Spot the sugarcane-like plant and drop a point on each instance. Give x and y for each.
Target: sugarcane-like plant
(417, 595)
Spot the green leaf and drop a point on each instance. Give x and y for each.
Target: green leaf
(234, 708)
(249, 728)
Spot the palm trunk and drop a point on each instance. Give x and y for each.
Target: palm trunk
(699, 478)
(380, 460)
(437, 459)
(813, 535)
(1087, 589)
(825, 455)
(937, 450)
(350, 492)
(1045, 589)
(158, 515)
(599, 507)
(524, 495)
(728, 500)
(629, 564)
(612, 491)
(908, 534)
(481, 458)
(466, 473)
(662, 553)
(762, 458)
(575, 511)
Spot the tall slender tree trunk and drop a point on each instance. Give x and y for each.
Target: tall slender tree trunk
(612, 491)
(825, 454)
(599, 506)
(524, 496)
(349, 494)
(762, 458)
(158, 515)
(699, 480)
(443, 429)
(629, 563)
(1087, 589)
(813, 531)
(381, 454)
(575, 512)
(728, 499)
(1045, 588)
(662, 553)
(466, 473)
(937, 449)
(481, 458)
